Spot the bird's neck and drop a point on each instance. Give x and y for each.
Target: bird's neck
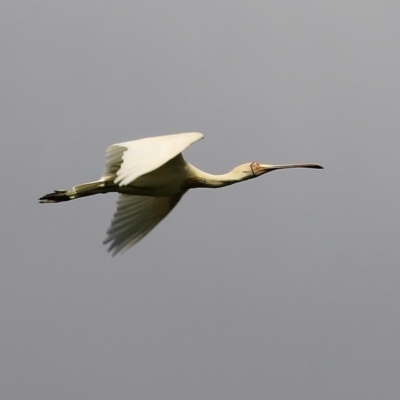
(198, 178)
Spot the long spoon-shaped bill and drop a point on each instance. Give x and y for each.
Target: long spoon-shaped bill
(260, 169)
(315, 166)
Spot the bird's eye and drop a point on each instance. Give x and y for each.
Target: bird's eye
(254, 167)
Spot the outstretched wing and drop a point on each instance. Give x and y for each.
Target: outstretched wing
(135, 217)
(129, 160)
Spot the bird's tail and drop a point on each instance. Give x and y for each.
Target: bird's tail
(86, 189)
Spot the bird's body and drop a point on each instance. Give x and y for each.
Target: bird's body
(151, 176)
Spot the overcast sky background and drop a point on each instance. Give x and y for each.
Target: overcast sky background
(283, 287)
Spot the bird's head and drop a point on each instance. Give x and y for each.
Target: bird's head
(254, 169)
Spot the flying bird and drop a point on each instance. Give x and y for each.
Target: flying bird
(151, 176)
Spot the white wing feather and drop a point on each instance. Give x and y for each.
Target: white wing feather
(135, 217)
(129, 160)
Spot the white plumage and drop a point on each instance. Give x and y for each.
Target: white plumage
(151, 176)
(142, 156)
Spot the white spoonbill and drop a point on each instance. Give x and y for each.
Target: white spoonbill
(151, 176)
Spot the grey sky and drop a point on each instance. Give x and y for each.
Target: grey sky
(284, 287)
